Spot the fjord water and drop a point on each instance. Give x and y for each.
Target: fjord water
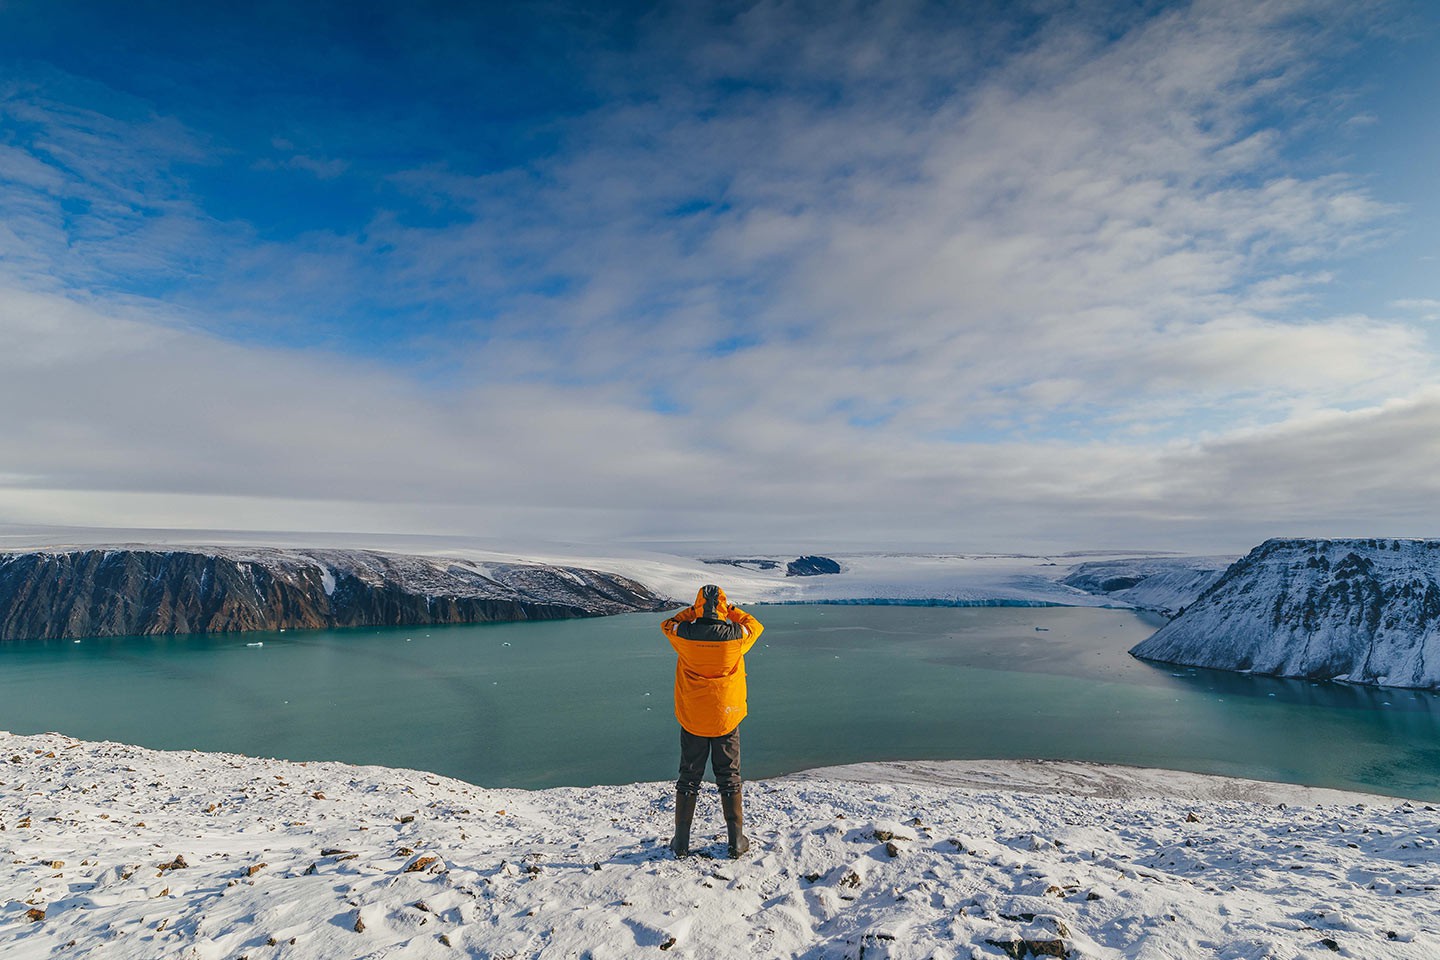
(589, 701)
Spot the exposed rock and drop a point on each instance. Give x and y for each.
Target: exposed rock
(1020, 949)
(751, 563)
(138, 590)
(811, 567)
(807, 566)
(1364, 611)
(886, 831)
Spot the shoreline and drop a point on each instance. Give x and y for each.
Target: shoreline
(1084, 778)
(1076, 778)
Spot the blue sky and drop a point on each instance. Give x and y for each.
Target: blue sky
(951, 276)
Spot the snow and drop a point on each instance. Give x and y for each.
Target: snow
(424, 575)
(890, 577)
(482, 565)
(327, 580)
(1165, 584)
(134, 854)
(1362, 611)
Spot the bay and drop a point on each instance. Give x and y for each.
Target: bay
(584, 702)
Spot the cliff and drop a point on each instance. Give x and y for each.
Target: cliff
(1365, 611)
(124, 591)
(1164, 584)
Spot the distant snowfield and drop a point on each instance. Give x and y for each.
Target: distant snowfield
(913, 577)
(959, 578)
(120, 852)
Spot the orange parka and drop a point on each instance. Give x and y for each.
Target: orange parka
(710, 673)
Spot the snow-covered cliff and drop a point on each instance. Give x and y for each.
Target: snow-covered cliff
(1365, 611)
(128, 590)
(1166, 584)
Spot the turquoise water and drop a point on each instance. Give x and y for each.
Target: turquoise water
(589, 701)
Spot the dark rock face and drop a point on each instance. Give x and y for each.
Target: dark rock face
(811, 567)
(1365, 611)
(808, 566)
(138, 590)
(755, 563)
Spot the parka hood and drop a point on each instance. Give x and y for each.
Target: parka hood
(710, 603)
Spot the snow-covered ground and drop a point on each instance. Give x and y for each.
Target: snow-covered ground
(118, 852)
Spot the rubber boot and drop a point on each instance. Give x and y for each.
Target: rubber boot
(734, 823)
(684, 814)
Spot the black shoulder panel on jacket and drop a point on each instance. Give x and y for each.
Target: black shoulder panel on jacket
(710, 630)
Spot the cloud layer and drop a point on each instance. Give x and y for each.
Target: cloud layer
(860, 275)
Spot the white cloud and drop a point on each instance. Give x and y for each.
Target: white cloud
(1065, 292)
(1424, 309)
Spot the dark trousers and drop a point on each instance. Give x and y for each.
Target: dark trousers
(724, 755)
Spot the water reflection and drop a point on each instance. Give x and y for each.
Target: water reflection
(1326, 694)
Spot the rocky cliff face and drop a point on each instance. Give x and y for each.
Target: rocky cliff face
(1366, 611)
(811, 566)
(146, 590)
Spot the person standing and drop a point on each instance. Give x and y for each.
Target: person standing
(710, 639)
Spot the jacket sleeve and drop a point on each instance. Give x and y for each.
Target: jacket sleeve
(753, 628)
(668, 627)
